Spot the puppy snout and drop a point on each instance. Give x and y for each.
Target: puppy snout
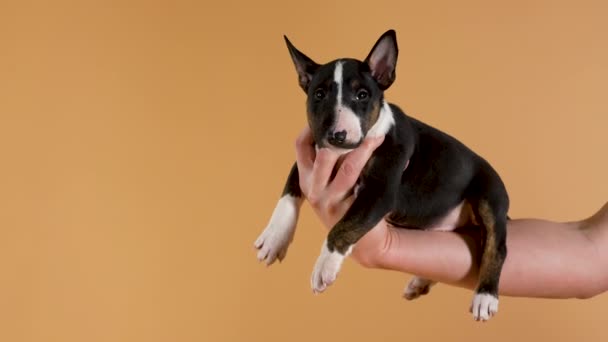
(337, 137)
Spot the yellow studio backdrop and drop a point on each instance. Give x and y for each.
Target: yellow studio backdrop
(144, 146)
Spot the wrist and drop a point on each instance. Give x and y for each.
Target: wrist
(371, 248)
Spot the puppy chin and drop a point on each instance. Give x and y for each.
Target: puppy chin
(342, 148)
(339, 150)
(345, 147)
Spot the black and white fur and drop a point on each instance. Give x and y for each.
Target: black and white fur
(413, 180)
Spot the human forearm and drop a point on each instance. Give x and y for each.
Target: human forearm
(446, 257)
(545, 259)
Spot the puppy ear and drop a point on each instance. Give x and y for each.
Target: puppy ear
(305, 66)
(382, 60)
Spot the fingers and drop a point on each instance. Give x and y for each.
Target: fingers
(353, 165)
(318, 166)
(321, 172)
(315, 168)
(305, 151)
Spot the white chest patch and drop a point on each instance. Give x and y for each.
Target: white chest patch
(386, 120)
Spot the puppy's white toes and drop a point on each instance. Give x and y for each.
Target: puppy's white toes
(484, 306)
(272, 243)
(323, 275)
(259, 242)
(417, 287)
(282, 254)
(326, 269)
(270, 249)
(317, 283)
(262, 253)
(271, 258)
(275, 239)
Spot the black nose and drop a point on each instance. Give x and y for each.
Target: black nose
(337, 137)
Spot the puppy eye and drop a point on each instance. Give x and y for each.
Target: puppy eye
(319, 94)
(362, 94)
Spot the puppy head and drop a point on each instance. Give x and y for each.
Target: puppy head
(345, 97)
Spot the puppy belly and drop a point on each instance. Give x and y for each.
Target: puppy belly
(459, 216)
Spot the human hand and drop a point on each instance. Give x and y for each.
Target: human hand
(450, 257)
(331, 198)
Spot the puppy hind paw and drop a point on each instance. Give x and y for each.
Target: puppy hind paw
(417, 287)
(484, 306)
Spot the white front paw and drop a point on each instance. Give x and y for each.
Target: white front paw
(272, 244)
(326, 269)
(484, 306)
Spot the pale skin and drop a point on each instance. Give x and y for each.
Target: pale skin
(545, 259)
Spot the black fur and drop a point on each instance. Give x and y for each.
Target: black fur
(441, 173)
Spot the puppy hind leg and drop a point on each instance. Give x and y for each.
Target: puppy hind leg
(493, 219)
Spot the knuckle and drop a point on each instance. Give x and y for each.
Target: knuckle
(314, 199)
(323, 155)
(349, 172)
(303, 140)
(348, 168)
(300, 141)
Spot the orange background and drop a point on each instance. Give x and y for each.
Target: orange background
(144, 146)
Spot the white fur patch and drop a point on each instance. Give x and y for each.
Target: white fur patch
(459, 216)
(385, 121)
(346, 119)
(272, 244)
(417, 287)
(484, 306)
(339, 79)
(327, 267)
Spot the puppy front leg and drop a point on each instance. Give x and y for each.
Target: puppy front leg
(373, 202)
(272, 244)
